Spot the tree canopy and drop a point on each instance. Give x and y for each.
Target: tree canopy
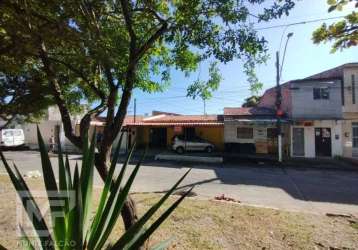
(344, 33)
(251, 101)
(98, 51)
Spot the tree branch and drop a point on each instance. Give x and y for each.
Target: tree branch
(152, 12)
(81, 74)
(59, 99)
(86, 119)
(146, 46)
(127, 13)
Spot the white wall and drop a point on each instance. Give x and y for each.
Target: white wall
(47, 129)
(310, 149)
(230, 132)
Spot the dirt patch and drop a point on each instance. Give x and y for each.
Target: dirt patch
(201, 224)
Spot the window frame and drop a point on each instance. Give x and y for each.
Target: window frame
(318, 93)
(248, 136)
(353, 89)
(354, 136)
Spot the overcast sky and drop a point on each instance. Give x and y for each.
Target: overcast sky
(303, 58)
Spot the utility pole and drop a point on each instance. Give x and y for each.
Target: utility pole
(135, 109)
(278, 106)
(204, 106)
(278, 93)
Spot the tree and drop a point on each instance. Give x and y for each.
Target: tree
(99, 50)
(23, 96)
(251, 101)
(344, 33)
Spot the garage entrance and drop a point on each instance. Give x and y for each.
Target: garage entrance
(158, 138)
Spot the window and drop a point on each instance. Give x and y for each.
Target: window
(321, 93)
(245, 133)
(353, 90)
(355, 134)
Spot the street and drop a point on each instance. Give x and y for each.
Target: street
(293, 189)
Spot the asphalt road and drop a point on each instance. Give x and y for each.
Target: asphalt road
(293, 189)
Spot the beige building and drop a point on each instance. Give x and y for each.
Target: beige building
(323, 112)
(350, 110)
(348, 74)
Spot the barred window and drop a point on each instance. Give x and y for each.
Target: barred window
(321, 93)
(245, 133)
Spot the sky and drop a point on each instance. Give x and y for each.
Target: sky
(303, 58)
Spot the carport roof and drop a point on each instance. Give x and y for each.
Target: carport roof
(179, 120)
(253, 111)
(167, 120)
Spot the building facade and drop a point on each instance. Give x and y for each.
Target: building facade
(253, 131)
(158, 130)
(323, 112)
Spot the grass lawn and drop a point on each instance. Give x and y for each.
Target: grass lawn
(203, 224)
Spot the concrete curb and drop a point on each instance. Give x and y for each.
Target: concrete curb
(187, 158)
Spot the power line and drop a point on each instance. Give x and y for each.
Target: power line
(299, 23)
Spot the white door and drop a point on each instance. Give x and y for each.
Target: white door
(298, 142)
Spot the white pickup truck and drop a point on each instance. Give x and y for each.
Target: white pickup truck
(12, 138)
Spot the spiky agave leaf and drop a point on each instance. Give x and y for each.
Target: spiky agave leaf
(57, 212)
(126, 237)
(109, 205)
(30, 205)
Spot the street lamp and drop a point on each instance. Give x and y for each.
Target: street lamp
(279, 96)
(289, 35)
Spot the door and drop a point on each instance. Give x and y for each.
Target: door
(323, 142)
(298, 140)
(158, 137)
(355, 139)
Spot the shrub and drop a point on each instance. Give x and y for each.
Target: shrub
(76, 228)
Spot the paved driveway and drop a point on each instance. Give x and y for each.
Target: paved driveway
(294, 189)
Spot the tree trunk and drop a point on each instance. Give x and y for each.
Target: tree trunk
(129, 210)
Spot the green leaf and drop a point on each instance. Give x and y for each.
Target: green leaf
(145, 218)
(58, 220)
(75, 223)
(157, 223)
(119, 205)
(107, 186)
(63, 177)
(29, 204)
(86, 181)
(68, 174)
(110, 203)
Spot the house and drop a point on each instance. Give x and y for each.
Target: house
(158, 130)
(253, 131)
(50, 125)
(323, 112)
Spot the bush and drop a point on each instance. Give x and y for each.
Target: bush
(75, 228)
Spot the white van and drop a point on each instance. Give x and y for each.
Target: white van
(12, 138)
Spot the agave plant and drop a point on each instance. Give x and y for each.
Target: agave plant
(73, 224)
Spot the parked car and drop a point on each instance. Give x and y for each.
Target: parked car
(12, 138)
(180, 144)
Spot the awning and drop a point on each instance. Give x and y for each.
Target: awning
(255, 121)
(183, 124)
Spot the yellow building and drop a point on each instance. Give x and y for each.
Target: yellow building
(158, 131)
